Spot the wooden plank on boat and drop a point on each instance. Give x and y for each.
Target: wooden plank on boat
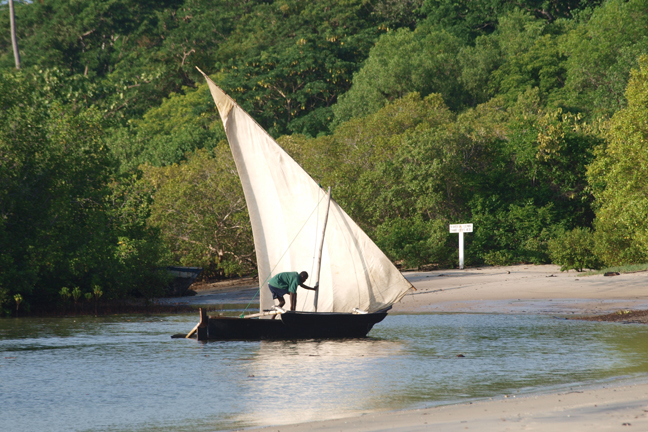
(192, 331)
(274, 312)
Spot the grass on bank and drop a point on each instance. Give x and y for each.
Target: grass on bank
(630, 268)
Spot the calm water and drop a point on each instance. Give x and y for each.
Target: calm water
(127, 374)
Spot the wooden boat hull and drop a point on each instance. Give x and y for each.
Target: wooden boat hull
(292, 325)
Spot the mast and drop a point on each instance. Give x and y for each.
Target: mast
(321, 248)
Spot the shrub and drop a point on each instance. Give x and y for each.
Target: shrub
(574, 249)
(499, 258)
(513, 233)
(414, 241)
(4, 302)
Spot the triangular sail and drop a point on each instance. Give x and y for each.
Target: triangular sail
(287, 208)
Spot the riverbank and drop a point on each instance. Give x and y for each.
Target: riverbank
(412, 361)
(520, 289)
(523, 289)
(609, 407)
(526, 289)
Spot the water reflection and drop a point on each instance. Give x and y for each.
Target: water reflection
(125, 373)
(331, 379)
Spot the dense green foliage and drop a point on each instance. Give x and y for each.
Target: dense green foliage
(525, 118)
(619, 179)
(200, 209)
(65, 217)
(574, 249)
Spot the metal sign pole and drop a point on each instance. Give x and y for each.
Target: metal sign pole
(461, 258)
(461, 229)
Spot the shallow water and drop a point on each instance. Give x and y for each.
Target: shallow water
(126, 373)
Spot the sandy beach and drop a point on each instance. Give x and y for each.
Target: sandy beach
(523, 289)
(615, 407)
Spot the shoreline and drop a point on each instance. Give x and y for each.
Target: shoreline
(519, 289)
(527, 289)
(612, 405)
(608, 406)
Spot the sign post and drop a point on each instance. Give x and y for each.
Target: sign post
(461, 229)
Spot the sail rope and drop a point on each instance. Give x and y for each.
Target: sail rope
(282, 255)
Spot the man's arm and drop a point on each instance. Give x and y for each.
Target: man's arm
(293, 296)
(309, 288)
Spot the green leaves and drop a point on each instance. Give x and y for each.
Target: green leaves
(57, 207)
(415, 242)
(601, 52)
(200, 211)
(514, 233)
(288, 60)
(618, 178)
(574, 249)
(53, 174)
(182, 124)
(402, 62)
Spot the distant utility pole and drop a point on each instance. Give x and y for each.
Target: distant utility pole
(14, 40)
(461, 229)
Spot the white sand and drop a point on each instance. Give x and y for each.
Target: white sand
(524, 289)
(611, 408)
(618, 406)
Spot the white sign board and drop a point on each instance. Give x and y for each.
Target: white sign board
(461, 228)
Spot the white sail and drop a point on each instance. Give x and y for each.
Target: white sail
(287, 208)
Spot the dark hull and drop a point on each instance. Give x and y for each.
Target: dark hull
(292, 325)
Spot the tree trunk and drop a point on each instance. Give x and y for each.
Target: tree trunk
(14, 40)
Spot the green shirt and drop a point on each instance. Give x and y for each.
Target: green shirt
(286, 280)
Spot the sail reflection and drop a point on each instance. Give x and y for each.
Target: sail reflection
(311, 380)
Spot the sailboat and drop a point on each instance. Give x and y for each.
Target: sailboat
(297, 226)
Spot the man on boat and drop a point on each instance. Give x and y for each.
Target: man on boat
(287, 282)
